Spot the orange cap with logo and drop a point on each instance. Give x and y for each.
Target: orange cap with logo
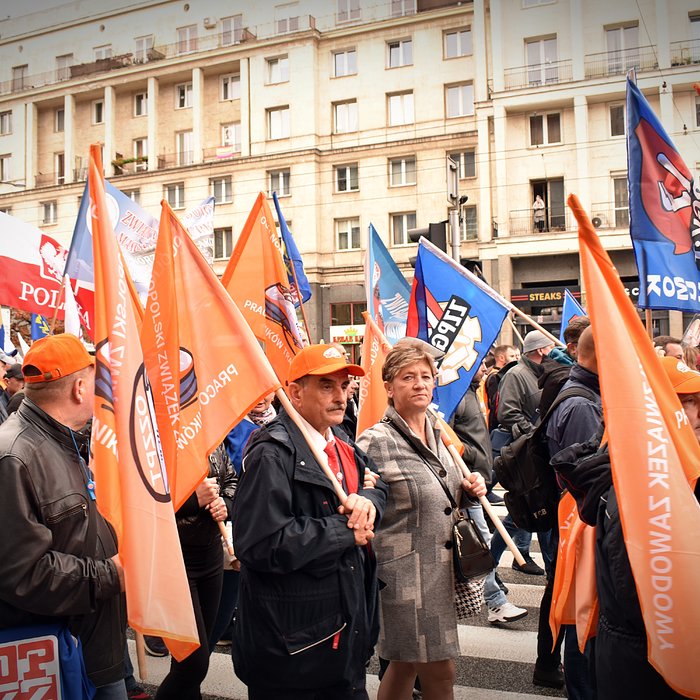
(684, 379)
(53, 357)
(320, 360)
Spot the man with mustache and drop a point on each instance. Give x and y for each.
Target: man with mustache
(307, 616)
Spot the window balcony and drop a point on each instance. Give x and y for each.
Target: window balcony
(685, 53)
(600, 65)
(608, 215)
(556, 219)
(538, 75)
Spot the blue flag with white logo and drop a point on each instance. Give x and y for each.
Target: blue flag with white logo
(570, 310)
(40, 327)
(292, 257)
(387, 290)
(664, 206)
(456, 313)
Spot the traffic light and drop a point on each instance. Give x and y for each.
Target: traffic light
(435, 233)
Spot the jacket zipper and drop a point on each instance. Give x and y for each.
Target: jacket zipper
(320, 641)
(68, 513)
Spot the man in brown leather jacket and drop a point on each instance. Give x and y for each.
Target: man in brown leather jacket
(58, 556)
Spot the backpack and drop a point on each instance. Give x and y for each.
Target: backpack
(532, 496)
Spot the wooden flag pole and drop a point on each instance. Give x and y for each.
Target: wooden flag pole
(515, 330)
(141, 656)
(301, 303)
(648, 323)
(58, 303)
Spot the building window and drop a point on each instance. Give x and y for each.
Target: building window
(468, 227)
(344, 63)
(345, 117)
(231, 30)
(459, 100)
(621, 194)
(98, 112)
(183, 95)
(63, 64)
(230, 87)
(277, 70)
(402, 171)
(348, 9)
(5, 123)
(346, 178)
(466, 162)
(187, 39)
(134, 195)
(19, 77)
(400, 223)
(400, 109)
(545, 129)
(400, 53)
(223, 243)
(401, 8)
(59, 121)
(287, 18)
(102, 52)
(175, 194)
(542, 67)
(623, 47)
(221, 189)
(140, 104)
(5, 167)
(617, 120)
(347, 234)
(59, 166)
(140, 151)
(143, 48)
(278, 123)
(458, 43)
(184, 147)
(6, 210)
(231, 136)
(279, 182)
(49, 213)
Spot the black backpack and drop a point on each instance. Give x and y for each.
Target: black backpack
(532, 496)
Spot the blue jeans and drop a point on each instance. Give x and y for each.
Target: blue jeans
(549, 541)
(112, 691)
(522, 539)
(493, 595)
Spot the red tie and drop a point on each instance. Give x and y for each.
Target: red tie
(333, 461)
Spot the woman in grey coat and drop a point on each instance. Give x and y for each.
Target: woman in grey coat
(418, 622)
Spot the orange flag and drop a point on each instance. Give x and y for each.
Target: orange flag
(132, 484)
(574, 597)
(256, 278)
(206, 367)
(375, 348)
(655, 461)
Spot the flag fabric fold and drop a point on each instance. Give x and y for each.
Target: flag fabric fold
(388, 292)
(456, 313)
(257, 281)
(132, 484)
(571, 309)
(292, 260)
(655, 461)
(206, 367)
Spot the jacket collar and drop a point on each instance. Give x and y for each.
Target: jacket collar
(59, 432)
(391, 415)
(585, 377)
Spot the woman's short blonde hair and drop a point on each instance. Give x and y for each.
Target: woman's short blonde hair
(407, 351)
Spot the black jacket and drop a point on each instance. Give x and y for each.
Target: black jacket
(470, 425)
(53, 555)
(307, 609)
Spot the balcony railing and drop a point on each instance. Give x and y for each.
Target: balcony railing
(521, 221)
(599, 65)
(538, 75)
(607, 215)
(222, 153)
(685, 53)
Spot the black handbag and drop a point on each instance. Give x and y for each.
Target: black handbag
(470, 553)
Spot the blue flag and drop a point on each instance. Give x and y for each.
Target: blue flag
(292, 256)
(570, 310)
(40, 327)
(387, 291)
(456, 313)
(664, 219)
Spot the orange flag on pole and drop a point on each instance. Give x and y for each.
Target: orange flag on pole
(206, 367)
(256, 278)
(655, 461)
(132, 484)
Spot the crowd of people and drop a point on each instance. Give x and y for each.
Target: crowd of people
(319, 583)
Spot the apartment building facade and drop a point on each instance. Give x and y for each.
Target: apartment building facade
(348, 110)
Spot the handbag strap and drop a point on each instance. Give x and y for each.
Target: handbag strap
(450, 497)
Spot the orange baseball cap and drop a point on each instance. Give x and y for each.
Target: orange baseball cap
(53, 357)
(319, 360)
(684, 379)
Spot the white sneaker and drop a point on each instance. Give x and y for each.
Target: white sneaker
(507, 613)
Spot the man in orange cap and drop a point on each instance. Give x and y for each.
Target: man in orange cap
(61, 563)
(307, 614)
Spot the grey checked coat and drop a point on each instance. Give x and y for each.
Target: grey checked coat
(417, 615)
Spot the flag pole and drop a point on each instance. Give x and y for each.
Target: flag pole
(515, 330)
(301, 303)
(296, 418)
(648, 323)
(58, 303)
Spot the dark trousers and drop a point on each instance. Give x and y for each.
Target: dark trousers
(204, 574)
(227, 604)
